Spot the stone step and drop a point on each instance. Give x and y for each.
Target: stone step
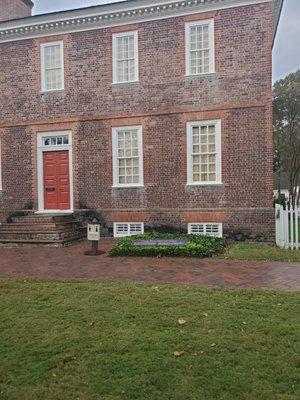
(43, 242)
(42, 229)
(40, 219)
(49, 236)
(27, 227)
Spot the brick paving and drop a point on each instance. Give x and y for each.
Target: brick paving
(70, 262)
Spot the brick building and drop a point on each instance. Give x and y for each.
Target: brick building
(150, 112)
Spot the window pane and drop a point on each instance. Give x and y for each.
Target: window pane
(199, 49)
(204, 155)
(128, 157)
(53, 67)
(125, 58)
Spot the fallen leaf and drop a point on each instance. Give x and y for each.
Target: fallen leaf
(181, 321)
(205, 314)
(198, 353)
(92, 323)
(213, 345)
(178, 353)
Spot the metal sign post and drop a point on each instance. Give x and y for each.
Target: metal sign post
(93, 235)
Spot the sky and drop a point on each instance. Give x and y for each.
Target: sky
(286, 53)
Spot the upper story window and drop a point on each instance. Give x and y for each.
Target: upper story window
(52, 65)
(199, 47)
(204, 152)
(127, 156)
(125, 57)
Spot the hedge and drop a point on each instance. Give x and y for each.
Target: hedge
(196, 246)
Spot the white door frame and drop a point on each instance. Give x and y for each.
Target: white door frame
(41, 149)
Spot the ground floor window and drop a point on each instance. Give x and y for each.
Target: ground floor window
(127, 156)
(204, 152)
(122, 229)
(210, 229)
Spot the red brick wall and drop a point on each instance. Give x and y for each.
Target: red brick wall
(13, 9)
(162, 102)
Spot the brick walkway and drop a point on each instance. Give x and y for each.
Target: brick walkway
(70, 262)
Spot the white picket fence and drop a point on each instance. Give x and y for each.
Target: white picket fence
(287, 227)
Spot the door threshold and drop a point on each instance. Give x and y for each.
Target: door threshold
(60, 212)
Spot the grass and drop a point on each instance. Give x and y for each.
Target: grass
(92, 341)
(260, 252)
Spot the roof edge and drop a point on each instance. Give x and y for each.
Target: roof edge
(113, 14)
(277, 10)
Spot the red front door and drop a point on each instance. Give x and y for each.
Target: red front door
(56, 180)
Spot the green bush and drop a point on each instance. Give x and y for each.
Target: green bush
(196, 246)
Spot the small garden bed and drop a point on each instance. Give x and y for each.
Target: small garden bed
(156, 244)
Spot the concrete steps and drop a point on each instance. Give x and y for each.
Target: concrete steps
(52, 230)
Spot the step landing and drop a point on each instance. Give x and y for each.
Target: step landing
(53, 230)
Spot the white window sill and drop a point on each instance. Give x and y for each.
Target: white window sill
(205, 184)
(200, 75)
(52, 91)
(127, 186)
(124, 83)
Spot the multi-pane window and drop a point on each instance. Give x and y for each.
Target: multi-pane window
(128, 228)
(125, 57)
(56, 140)
(128, 156)
(209, 229)
(204, 152)
(52, 64)
(200, 47)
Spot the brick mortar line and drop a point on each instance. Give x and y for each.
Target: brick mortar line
(141, 115)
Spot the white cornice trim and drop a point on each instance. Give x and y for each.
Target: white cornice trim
(122, 13)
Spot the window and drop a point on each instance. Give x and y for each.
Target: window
(122, 229)
(52, 64)
(125, 57)
(199, 47)
(209, 229)
(56, 140)
(204, 152)
(127, 156)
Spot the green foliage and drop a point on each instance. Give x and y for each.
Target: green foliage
(261, 252)
(197, 246)
(280, 199)
(286, 126)
(64, 340)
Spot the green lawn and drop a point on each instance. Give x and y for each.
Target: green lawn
(92, 341)
(260, 252)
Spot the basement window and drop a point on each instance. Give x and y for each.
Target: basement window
(122, 229)
(209, 229)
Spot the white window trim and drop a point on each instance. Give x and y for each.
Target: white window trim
(1, 187)
(190, 125)
(220, 227)
(115, 156)
(43, 75)
(188, 25)
(115, 36)
(41, 148)
(116, 235)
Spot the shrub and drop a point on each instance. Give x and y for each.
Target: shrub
(196, 246)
